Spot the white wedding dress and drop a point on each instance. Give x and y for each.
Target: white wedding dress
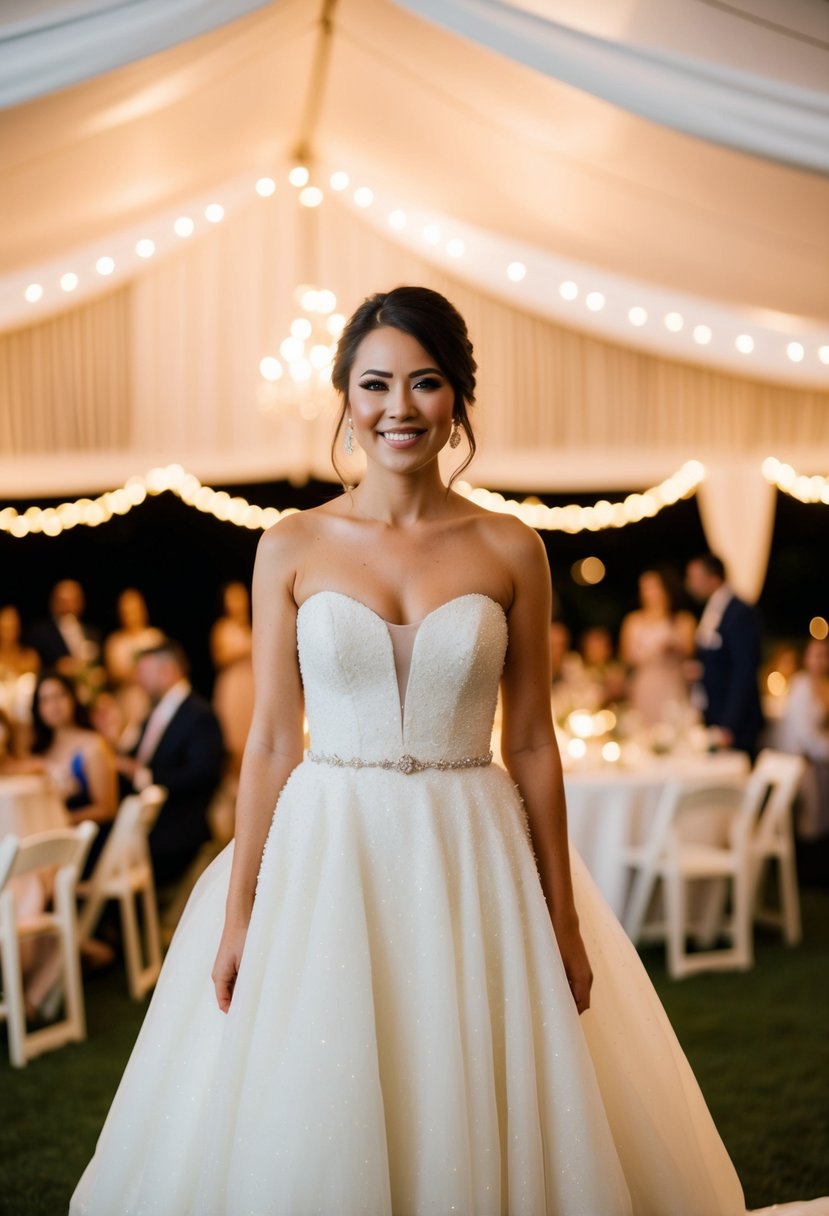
(402, 1040)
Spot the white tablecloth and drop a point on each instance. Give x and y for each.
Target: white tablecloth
(29, 804)
(610, 807)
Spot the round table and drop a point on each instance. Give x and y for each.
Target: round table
(611, 806)
(29, 803)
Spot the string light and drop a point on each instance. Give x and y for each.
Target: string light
(796, 352)
(91, 512)
(784, 478)
(603, 514)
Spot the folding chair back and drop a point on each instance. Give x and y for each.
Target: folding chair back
(64, 851)
(124, 873)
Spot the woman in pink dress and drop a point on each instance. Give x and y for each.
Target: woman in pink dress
(655, 642)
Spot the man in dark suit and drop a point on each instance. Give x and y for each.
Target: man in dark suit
(180, 748)
(728, 649)
(62, 639)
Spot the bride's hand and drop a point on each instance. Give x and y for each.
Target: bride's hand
(226, 966)
(576, 966)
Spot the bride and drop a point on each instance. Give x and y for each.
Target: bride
(399, 954)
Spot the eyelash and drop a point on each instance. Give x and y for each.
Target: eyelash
(428, 383)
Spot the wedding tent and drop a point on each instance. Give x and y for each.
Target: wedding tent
(628, 201)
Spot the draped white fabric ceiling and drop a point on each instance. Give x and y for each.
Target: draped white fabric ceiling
(679, 143)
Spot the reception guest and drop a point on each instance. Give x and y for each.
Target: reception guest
(62, 639)
(15, 658)
(231, 642)
(181, 749)
(728, 649)
(804, 730)
(655, 642)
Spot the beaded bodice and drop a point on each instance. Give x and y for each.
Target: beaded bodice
(355, 702)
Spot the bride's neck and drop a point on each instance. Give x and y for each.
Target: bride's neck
(401, 499)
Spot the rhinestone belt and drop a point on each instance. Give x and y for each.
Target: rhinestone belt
(405, 764)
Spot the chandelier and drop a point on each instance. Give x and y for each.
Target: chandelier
(298, 379)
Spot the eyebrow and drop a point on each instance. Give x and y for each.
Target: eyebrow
(372, 371)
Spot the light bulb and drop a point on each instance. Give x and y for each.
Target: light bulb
(338, 181)
(33, 292)
(516, 271)
(105, 266)
(145, 248)
(326, 301)
(744, 343)
(311, 196)
(214, 213)
(184, 226)
(69, 281)
(270, 368)
(335, 324)
(299, 176)
(674, 322)
(397, 220)
(595, 301)
(291, 349)
(363, 197)
(702, 334)
(455, 248)
(795, 352)
(431, 234)
(265, 187)
(637, 316)
(568, 290)
(301, 328)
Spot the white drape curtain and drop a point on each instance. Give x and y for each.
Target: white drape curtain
(168, 366)
(166, 370)
(737, 510)
(716, 101)
(50, 44)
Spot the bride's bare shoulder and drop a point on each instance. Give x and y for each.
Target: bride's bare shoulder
(282, 545)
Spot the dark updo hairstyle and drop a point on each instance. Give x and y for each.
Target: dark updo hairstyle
(431, 320)
(42, 735)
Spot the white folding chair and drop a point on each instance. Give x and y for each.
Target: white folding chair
(124, 872)
(672, 857)
(773, 840)
(64, 849)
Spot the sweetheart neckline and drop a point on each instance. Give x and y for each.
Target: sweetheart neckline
(467, 595)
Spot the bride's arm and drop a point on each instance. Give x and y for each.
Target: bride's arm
(274, 745)
(530, 751)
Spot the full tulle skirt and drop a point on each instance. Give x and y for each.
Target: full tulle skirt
(402, 1040)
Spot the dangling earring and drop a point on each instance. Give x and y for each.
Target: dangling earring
(455, 437)
(349, 438)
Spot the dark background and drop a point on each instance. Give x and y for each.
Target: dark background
(180, 558)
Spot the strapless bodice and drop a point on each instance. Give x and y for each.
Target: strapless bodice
(354, 703)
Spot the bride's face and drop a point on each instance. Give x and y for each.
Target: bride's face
(400, 402)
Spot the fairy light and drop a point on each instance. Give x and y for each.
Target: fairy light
(603, 514)
(397, 220)
(338, 181)
(214, 213)
(145, 248)
(455, 247)
(299, 176)
(69, 281)
(265, 187)
(363, 197)
(797, 485)
(33, 293)
(105, 266)
(516, 271)
(172, 478)
(568, 290)
(184, 226)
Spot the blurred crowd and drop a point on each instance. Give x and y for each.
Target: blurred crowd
(107, 716)
(104, 716)
(673, 673)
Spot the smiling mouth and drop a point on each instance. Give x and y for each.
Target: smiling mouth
(401, 438)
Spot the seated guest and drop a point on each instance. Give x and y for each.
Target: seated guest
(655, 642)
(804, 730)
(566, 670)
(603, 676)
(13, 760)
(121, 650)
(78, 759)
(62, 639)
(15, 658)
(181, 749)
(728, 649)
